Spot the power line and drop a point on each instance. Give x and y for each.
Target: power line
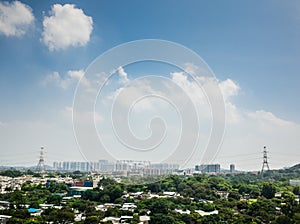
(238, 155)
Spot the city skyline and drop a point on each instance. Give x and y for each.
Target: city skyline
(253, 52)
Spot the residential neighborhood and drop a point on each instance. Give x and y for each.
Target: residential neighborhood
(82, 197)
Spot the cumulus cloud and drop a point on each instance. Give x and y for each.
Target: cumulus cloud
(123, 76)
(247, 130)
(15, 18)
(191, 68)
(64, 82)
(192, 88)
(66, 26)
(266, 117)
(229, 88)
(143, 87)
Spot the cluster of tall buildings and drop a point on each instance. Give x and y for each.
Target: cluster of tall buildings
(213, 168)
(123, 167)
(131, 167)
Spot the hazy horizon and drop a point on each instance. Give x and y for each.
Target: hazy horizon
(252, 50)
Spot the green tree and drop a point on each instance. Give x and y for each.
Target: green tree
(91, 220)
(208, 207)
(59, 216)
(296, 190)
(15, 220)
(11, 173)
(268, 190)
(54, 199)
(162, 219)
(263, 209)
(55, 187)
(17, 197)
(234, 195)
(283, 220)
(92, 195)
(106, 182)
(115, 192)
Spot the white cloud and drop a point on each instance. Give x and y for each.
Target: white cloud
(229, 88)
(246, 131)
(72, 76)
(266, 117)
(66, 26)
(191, 68)
(15, 18)
(196, 92)
(76, 74)
(123, 76)
(190, 87)
(142, 87)
(132, 92)
(233, 114)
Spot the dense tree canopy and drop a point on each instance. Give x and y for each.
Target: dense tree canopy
(240, 198)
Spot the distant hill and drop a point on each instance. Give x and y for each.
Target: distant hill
(23, 168)
(295, 168)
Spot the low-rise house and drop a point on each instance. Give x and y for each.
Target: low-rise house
(136, 195)
(112, 219)
(152, 196)
(58, 207)
(144, 219)
(128, 207)
(203, 213)
(180, 211)
(111, 205)
(101, 208)
(206, 201)
(4, 205)
(35, 211)
(46, 206)
(294, 182)
(170, 193)
(278, 195)
(245, 197)
(106, 206)
(166, 194)
(223, 194)
(4, 218)
(125, 218)
(75, 190)
(78, 217)
(297, 198)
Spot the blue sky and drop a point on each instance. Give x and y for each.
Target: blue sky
(255, 44)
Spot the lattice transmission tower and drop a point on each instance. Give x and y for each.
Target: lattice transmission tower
(265, 165)
(41, 164)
